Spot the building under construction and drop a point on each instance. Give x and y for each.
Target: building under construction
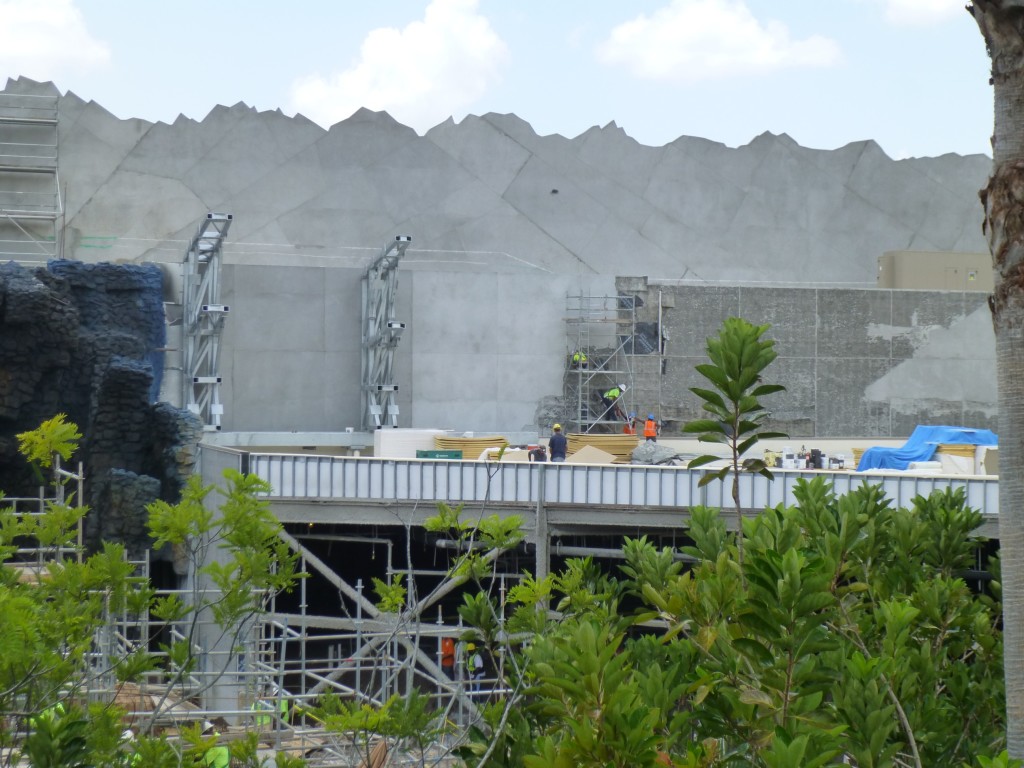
(327, 294)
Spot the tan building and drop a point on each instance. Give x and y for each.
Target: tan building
(935, 271)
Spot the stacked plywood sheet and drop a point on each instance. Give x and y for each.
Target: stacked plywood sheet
(620, 446)
(471, 447)
(958, 459)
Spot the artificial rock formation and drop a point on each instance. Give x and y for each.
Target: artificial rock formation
(81, 339)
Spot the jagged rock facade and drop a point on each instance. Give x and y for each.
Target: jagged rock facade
(82, 339)
(489, 188)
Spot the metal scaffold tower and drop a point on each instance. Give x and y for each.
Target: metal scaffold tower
(30, 200)
(381, 333)
(599, 339)
(203, 320)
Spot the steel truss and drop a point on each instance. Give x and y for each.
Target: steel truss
(381, 333)
(203, 320)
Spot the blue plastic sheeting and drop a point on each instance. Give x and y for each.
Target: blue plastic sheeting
(921, 446)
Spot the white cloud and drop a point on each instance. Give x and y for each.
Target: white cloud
(919, 12)
(693, 40)
(420, 75)
(44, 39)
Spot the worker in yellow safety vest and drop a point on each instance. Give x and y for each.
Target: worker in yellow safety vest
(217, 756)
(611, 401)
(579, 359)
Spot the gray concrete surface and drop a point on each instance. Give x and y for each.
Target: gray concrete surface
(505, 223)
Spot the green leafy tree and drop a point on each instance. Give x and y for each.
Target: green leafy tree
(56, 605)
(847, 636)
(738, 356)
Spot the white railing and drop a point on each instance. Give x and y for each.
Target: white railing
(328, 477)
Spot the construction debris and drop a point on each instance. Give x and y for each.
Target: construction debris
(655, 453)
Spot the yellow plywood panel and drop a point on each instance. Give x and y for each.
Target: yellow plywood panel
(621, 446)
(588, 454)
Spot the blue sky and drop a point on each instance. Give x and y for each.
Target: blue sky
(910, 74)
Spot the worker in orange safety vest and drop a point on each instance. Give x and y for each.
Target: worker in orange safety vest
(651, 429)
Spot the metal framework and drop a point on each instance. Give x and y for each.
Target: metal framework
(599, 337)
(203, 320)
(30, 200)
(381, 333)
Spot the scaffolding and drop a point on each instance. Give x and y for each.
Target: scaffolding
(268, 676)
(599, 341)
(31, 210)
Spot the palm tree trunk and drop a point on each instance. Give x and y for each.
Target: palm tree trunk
(1002, 25)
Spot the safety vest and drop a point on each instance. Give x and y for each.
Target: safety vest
(630, 428)
(650, 428)
(217, 757)
(579, 357)
(447, 652)
(613, 393)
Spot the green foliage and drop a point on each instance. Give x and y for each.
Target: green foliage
(390, 597)
(58, 740)
(254, 561)
(738, 358)
(54, 436)
(448, 520)
(245, 754)
(847, 634)
(402, 719)
(1002, 760)
(52, 613)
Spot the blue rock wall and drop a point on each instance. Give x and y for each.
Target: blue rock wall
(86, 340)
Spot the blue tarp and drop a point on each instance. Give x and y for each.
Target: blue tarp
(921, 446)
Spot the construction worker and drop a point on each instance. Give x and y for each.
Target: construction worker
(579, 359)
(610, 399)
(217, 756)
(651, 429)
(130, 757)
(474, 666)
(557, 444)
(448, 655)
(630, 428)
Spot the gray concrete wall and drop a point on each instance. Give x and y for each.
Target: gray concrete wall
(871, 363)
(481, 348)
